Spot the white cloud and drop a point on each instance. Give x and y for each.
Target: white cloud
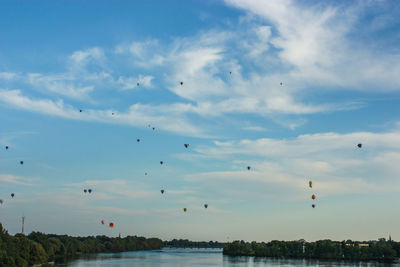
(60, 84)
(132, 82)
(284, 166)
(20, 180)
(8, 75)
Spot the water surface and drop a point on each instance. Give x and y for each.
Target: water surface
(169, 257)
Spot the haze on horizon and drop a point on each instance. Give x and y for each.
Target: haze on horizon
(339, 65)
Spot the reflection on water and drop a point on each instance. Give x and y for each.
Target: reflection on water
(169, 257)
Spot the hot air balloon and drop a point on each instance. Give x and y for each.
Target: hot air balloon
(281, 83)
(359, 145)
(90, 191)
(205, 205)
(313, 196)
(138, 140)
(248, 167)
(12, 195)
(85, 190)
(1, 202)
(186, 145)
(181, 83)
(162, 191)
(184, 209)
(80, 110)
(313, 205)
(138, 84)
(103, 222)
(154, 128)
(230, 72)
(145, 173)
(6, 147)
(310, 183)
(21, 162)
(161, 162)
(112, 113)
(111, 224)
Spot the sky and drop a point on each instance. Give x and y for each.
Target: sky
(288, 88)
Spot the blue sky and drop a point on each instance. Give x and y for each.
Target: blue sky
(339, 65)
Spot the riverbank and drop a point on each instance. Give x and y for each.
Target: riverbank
(39, 248)
(381, 250)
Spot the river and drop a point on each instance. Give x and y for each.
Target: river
(179, 257)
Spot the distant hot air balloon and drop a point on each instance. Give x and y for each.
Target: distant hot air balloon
(12, 195)
(205, 205)
(112, 113)
(111, 224)
(103, 222)
(154, 128)
(186, 145)
(85, 190)
(138, 140)
(6, 147)
(248, 167)
(80, 110)
(21, 162)
(145, 173)
(90, 191)
(184, 209)
(281, 83)
(161, 162)
(359, 145)
(138, 84)
(313, 205)
(230, 72)
(313, 196)
(1, 202)
(181, 83)
(162, 191)
(310, 183)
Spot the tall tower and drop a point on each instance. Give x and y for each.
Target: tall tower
(23, 223)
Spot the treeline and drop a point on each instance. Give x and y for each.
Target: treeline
(37, 248)
(185, 243)
(381, 250)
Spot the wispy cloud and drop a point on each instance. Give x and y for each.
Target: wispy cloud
(20, 180)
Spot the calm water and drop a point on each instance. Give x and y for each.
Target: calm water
(169, 257)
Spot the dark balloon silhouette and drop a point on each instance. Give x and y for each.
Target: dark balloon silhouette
(162, 191)
(85, 190)
(205, 205)
(90, 191)
(184, 209)
(145, 173)
(248, 167)
(6, 147)
(313, 196)
(313, 205)
(21, 162)
(12, 195)
(186, 145)
(161, 162)
(281, 83)
(112, 113)
(310, 183)
(111, 224)
(359, 145)
(230, 72)
(1, 202)
(138, 140)
(181, 83)
(80, 110)
(138, 84)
